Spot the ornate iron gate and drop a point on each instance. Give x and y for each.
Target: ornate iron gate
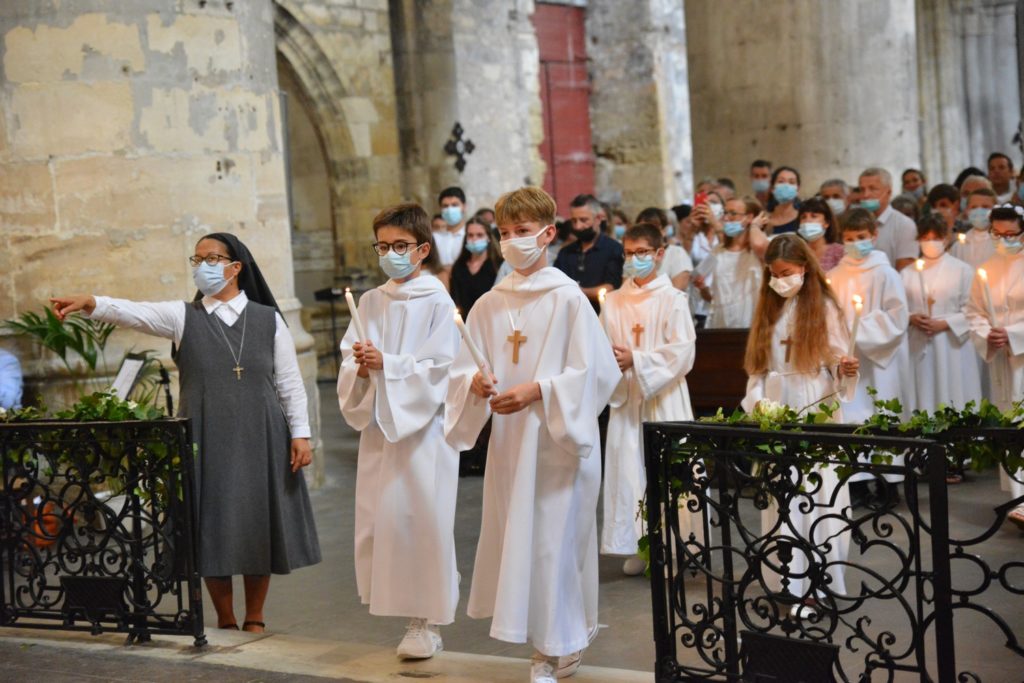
(749, 580)
(97, 528)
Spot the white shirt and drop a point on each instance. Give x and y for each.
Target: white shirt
(676, 261)
(897, 236)
(167, 319)
(449, 244)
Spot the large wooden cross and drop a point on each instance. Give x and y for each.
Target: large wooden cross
(637, 330)
(788, 343)
(517, 340)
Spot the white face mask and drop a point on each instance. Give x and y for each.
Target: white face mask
(788, 286)
(932, 249)
(837, 205)
(522, 252)
(717, 210)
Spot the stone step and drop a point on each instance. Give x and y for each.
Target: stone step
(295, 655)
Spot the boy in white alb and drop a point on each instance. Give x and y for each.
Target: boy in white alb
(551, 373)
(391, 388)
(1000, 341)
(649, 325)
(881, 337)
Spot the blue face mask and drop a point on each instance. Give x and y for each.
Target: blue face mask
(979, 218)
(760, 185)
(1020, 192)
(859, 249)
(871, 205)
(476, 246)
(397, 267)
(452, 215)
(638, 266)
(670, 231)
(917, 193)
(811, 231)
(209, 279)
(733, 228)
(784, 192)
(620, 231)
(963, 204)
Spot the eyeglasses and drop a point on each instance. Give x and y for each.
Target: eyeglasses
(1004, 235)
(642, 253)
(209, 259)
(400, 248)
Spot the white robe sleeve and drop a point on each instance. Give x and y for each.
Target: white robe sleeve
(755, 392)
(355, 394)
(465, 413)
(620, 395)
(977, 316)
(839, 340)
(161, 319)
(671, 360)
(959, 325)
(882, 330)
(574, 398)
(412, 386)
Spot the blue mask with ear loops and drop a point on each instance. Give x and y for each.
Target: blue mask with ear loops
(209, 279)
(397, 266)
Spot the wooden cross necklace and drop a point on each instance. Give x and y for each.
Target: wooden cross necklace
(637, 330)
(517, 338)
(238, 364)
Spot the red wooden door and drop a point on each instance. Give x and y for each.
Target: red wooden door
(565, 100)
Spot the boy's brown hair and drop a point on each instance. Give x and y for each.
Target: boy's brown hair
(645, 231)
(525, 205)
(412, 219)
(858, 219)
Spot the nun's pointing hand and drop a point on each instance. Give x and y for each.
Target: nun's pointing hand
(302, 454)
(63, 306)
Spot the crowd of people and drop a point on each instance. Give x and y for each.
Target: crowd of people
(846, 289)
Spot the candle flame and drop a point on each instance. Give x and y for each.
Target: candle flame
(919, 264)
(348, 290)
(828, 281)
(601, 293)
(858, 303)
(458, 316)
(982, 275)
(962, 237)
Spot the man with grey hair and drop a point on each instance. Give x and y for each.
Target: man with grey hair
(594, 260)
(835, 192)
(897, 234)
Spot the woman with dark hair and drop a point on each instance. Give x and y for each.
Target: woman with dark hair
(475, 270)
(241, 385)
(784, 206)
(818, 228)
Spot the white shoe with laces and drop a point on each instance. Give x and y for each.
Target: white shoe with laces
(543, 669)
(421, 641)
(569, 664)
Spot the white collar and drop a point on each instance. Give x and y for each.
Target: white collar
(237, 304)
(884, 216)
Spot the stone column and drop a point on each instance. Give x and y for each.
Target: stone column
(130, 129)
(827, 87)
(640, 104)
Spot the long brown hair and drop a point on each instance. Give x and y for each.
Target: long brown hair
(811, 348)
(493, 248)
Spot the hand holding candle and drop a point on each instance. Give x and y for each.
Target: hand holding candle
(354, 312)
(474, 350)
(858, 307)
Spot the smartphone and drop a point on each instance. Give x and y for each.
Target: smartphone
(701, 198)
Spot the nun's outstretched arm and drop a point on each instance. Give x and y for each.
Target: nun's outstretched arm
(162, 319)
(288, 379)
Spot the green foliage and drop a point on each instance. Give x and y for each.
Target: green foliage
(104, 406)
(86, 337)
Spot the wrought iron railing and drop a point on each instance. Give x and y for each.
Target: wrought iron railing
(97, 528)
(748, 577)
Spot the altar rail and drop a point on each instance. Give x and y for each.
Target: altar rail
(97, 528)
(734, 600)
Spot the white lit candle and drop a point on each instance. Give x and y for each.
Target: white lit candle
(925, 297)
(983, 276)
(858, 306)
(474, 350)
(350, 300)
(962, 237)
(601, 294)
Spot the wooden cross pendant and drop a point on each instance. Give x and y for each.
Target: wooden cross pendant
(238, 371)
(788, 343)
(931, 304)
(517, 340)
(637, 330)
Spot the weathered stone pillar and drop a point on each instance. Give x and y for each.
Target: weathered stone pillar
(640, 104)
(130, 129)
(827, 87)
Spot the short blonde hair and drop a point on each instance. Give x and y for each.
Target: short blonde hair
(527, 204)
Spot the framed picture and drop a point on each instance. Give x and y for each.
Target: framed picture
(128, 375)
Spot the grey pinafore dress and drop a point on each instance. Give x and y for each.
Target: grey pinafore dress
(254, 513)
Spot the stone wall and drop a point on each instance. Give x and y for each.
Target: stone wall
(640, 105)
(827, 87)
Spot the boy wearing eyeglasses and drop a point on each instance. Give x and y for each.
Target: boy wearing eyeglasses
(391, 388)
(650, 328)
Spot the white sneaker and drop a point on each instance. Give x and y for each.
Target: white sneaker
(569, 664)
(421, 641)
(634, 566)
(543, 669)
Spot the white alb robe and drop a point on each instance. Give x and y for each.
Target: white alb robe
(735, 286)
(882, 347)
(407, 475)
(653, 390)
(945, 367)
(1006, 366)
(977, 247)
(536, 561)
(803, 391)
